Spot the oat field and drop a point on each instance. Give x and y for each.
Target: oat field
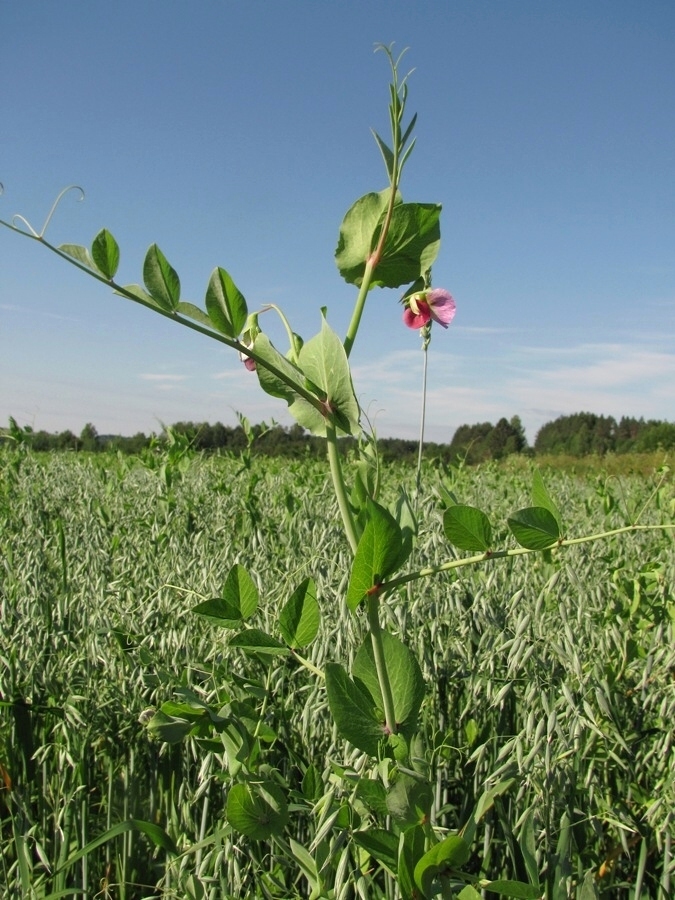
(550, 676)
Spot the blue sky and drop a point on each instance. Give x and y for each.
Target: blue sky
(238, 134)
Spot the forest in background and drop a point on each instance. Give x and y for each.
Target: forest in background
(578, 435)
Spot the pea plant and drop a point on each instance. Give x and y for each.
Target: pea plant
(371, 826)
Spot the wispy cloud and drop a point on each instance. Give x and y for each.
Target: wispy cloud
(158, 376)
(537, 383)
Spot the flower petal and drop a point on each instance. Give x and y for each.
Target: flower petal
(442, 307)
(419, 320)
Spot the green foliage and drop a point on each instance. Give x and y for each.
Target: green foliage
(225, 304)
(585, 433)
(101, 632)
(160, 279)
(380, 552)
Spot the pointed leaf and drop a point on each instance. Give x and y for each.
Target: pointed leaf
(302, 411)
(541, 497)
(169, 728)
(157, 835)
(225, 304)
(379, 552)
(409, 800)
(405, 678)
(535, 528)
(257, 810)
(353, 711)
(240, 590)
(137, 291)
(382, 846)
(257, 642)
(300, 617)
(387, 155)
(238, 602)
(527, 844)
(220, 612)
(484, 805)
(160, 279)
(194, 312)
(80, 253)
(467, 528)
(589, 890)
(106, 253)
(356, 240)
(450, 853)
(324, 362)
(412, 244)
(411, 849)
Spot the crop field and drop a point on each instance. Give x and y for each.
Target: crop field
(550, 677)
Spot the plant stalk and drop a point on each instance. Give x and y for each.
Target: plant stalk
(380, 663)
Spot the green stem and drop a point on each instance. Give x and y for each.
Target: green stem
(175, 317)
(375, 257)
(516, 551)
(358, 307)
(339, 486)
(380, 663)
(420, 449)
(287, 326)
(308, 665)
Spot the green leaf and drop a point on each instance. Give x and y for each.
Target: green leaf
(382, 846)
(106, 253)
(239, 600)
(405, 678)
(527, 846)
(257, 642)
(80, 253)
(387, 155)
(157, 835)
(353, 711)
(194, 312)
(541, 497)
(160, 279)
(240, 590)
(257, 810)
(373, 794)
(588, 890)
(137, 291)
(469, 892)
(300, 617)
(379, 553)
(225, 304)
(220, 612)
(484, 805)
(450, 853)
(302, 410)
(411, 850)
(405, 516)
(356, 240)
(467, 528)
(169, 729)
(535, 528)
(312, 786)
(324, 362)
(508, 888)
(409, 800)
(412, 244)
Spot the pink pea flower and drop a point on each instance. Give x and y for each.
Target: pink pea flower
(436, 305)
(247, 360)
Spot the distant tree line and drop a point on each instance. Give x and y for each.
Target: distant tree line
(581, 434)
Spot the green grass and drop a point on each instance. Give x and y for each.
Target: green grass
(556, 672)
